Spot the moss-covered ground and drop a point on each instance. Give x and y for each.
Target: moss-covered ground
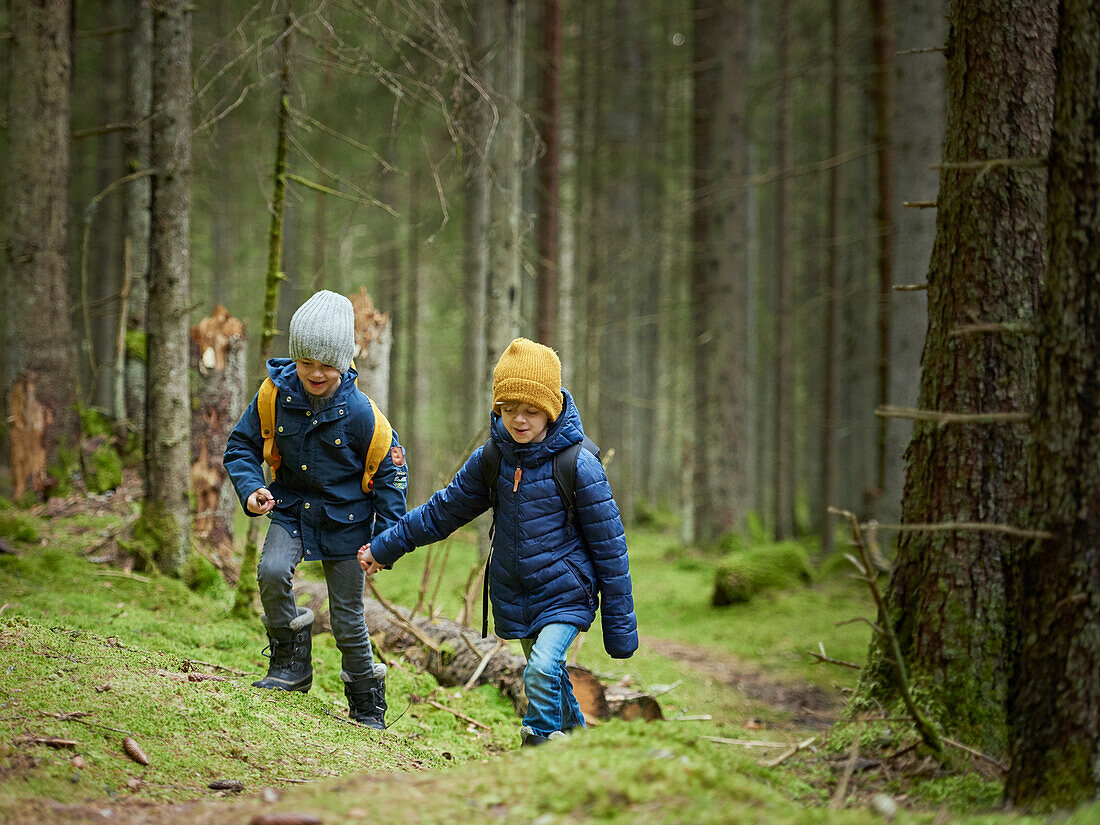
(92, 655)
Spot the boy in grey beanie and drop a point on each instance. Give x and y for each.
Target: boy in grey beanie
(322, 429)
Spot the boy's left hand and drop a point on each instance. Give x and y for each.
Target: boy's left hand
(367, 562)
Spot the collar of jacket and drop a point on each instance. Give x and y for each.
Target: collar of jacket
(284, 373)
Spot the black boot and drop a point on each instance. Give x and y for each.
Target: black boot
(291, 650)
(367, 698)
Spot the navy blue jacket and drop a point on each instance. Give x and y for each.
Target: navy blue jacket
(541, 570)
(318, 488)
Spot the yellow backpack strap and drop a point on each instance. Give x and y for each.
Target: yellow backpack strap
(265, 403)
(379, 446)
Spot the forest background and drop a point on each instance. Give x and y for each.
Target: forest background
(733, 220)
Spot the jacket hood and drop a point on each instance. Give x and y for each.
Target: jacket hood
(563, 432)
(284, 373)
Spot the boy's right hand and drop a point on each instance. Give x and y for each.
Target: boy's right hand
(260, 502)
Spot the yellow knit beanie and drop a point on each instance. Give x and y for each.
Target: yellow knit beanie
(529, 373)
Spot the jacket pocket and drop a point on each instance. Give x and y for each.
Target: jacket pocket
(350, 512)
(583, 582)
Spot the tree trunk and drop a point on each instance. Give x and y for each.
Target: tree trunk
(139, 93)
(884, 100)
(922, 24)
(549, 178)
(40, 348)
(416, 379)
(247, 590)
(947, 592)
(219, 362)
(783, 491)
(505, 204)
(1054, 703)
(830, 373)
(719, 268)
(168, 424)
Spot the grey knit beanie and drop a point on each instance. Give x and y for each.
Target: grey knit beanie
(323, 329)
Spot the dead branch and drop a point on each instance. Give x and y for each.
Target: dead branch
(919, 205)
(924, 727)
(823, 659)
(48, 741)
(984, 527)
(929, 50)
(977, 754)
(1015, 328)
(787, 754)
(458, 714)
(400, 620)
(122, 574)
(909, 287)
(484, 662)
(745, 743)
(945, 418)
(992, 163)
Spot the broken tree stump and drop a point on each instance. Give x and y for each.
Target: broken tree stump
(218, 353)
(373, 341)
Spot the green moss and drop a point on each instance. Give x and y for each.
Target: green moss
(203, 577)
(136, 349)
(104, 471)
(94, 422)
(742, 575)
(17, 526)
(65, 470)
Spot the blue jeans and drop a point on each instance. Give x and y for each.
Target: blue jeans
(551, 705)
(345, 579)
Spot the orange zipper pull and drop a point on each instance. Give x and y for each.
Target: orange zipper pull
(515, 480)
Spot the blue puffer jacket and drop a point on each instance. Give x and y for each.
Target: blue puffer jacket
(318, 488)
(542, 571)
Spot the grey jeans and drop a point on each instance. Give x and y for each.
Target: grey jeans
(275, 573)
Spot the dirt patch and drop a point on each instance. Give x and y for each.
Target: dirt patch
(811, 706)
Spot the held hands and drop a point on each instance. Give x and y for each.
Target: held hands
(260, 502)
(367, 562)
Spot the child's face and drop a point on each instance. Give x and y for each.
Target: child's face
(524, 423)
(319, 379)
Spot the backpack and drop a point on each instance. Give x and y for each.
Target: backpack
(565, 479)
(377, 451)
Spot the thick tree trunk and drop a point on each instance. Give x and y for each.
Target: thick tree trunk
(922, 24)
(168, 422)
(549, 177)
(40, 348)
(947, 592)
(416, 379)
(219, 361)
(1054, 704)
(783, 489)
(719, 268)
(139, 93)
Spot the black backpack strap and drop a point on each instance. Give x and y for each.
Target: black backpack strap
(565, 477)
(490, 472)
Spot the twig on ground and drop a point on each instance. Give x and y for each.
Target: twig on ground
(787, 754)
(122, 574)
(977, 754)
(849, 768)
(696, 717)
(746, 743)
(459, 714)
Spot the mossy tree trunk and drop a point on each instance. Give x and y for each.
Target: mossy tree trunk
(947, 591)
(1055, 697)
(40, 348)
(168, 413)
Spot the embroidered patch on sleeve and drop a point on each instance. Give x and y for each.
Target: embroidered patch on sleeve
(397, 456)
(401, 479)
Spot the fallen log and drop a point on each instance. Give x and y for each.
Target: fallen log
(465, 659)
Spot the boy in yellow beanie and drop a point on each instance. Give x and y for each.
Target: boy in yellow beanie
(551, 564)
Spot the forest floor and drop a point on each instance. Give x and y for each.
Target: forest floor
(91, 653)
